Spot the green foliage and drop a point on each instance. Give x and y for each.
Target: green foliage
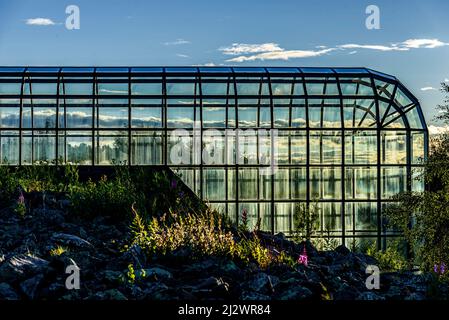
(325, 242)
(59, 250)
(423, 217)
(389, 260)
(8, 185)
(203, 235)
(306, 221)
(20, 209)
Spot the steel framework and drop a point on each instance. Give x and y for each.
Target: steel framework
(346, 138)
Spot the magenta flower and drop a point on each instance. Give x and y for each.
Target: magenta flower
(21, 199)
(303, 258)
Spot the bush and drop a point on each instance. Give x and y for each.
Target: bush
(389, 260)
(203, 235)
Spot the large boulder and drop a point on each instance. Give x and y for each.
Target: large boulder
(22, 266)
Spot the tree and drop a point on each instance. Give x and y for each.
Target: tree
(423, 217)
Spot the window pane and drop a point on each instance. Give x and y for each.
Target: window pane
(9, 147)
(147, 148)
(394, 147)
(325, 183)
(180, 117)
(361, 147)
(248, 178)
(361, 183)
(214, 184)
(111, 147)
(146, 117)
(417, 147)
(393, 181)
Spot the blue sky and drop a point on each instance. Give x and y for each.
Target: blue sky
(412, 43)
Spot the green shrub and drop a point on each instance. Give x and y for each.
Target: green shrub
(306, 221)
(392, 259)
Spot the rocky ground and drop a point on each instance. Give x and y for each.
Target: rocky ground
(29, 269)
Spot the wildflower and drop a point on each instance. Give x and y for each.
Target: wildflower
(21, 199)
(303, 258)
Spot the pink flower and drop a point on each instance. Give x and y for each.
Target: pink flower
(21, 199)
(303, 258)
(244, 217)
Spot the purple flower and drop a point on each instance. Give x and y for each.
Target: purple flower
(435, 268)
(303, 258)
(173, 184)
(21, 199)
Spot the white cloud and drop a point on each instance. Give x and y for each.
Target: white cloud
(182, 55)
(371, 47)
(423, 43)
(446, 80)
(40, 22)
(244, 48)
(435, 130)
(428, 89)
(272, 50)
(401, 46)
(177, 42)
(281, 55)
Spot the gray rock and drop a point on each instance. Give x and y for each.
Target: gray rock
(155, 291)
(262, 282)
(112, 294)
(29, 287)
(7, 292)
(346, 292)
(295, 293)
(370, 296)
(70, 240)
(50, 216)
(158, 273)
(253, 296)
(22, 266)
(341, 249)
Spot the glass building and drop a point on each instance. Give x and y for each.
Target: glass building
(260, 140)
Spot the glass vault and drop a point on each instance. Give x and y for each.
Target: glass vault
(345, 138)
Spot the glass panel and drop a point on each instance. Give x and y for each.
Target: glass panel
(146, 117)
(414, 120)
(325, 147)
(180, 117)
(393, 147)
(112, 88)
(44, 88)
(146, 88)
(361, 183)
(147, 148)
(417, 147)
(393, 181)
(247, 117)
(44, 117)
(248, 181)
(111, 147)
(214, 117)
(401, 99)
(9, 117)
(361, 147)
(330, 217)
(112, 117)
(298, 149)
(9, 147)
(213, 147)
(359, 113)
(10, 88)
(361, 216)
(325, 183)
(283, 217)
(44, 146)
(77, 88)
(181, 88)
(76, 147)
(418, 184)
(214, 88)
(214, 184)
(180, 148)
(76, 117)
(298, 183)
